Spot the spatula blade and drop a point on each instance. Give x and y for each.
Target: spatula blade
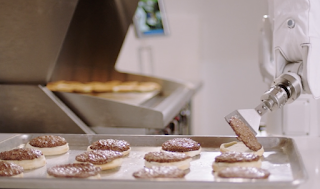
(248, 116)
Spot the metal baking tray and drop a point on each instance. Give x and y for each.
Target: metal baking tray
(281, 158)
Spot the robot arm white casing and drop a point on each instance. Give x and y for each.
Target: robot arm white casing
(291, 62)
(296, 39)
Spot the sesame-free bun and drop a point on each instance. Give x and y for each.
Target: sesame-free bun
(235, 146)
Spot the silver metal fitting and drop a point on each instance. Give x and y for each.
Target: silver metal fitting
(291, 83)
(275, 97)
(287, 88)
(291, 23)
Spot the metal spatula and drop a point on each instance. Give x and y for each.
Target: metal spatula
(251, 117)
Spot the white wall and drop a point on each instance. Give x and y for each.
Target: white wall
(210, 40)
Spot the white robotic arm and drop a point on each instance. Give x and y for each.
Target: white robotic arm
(296, 46)
(297, 41)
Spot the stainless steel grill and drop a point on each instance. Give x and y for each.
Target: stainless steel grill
(75, 41)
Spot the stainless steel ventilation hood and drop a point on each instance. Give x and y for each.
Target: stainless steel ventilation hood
(51, 40)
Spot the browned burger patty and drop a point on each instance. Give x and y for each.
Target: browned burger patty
(244, 134)
(244, 172)
(75, 170)
(232, 157)
(48, 141)
(160, 172)
(10, 169)
(165, 157)
(110, 144)
(20, 154)
(99, 156)
(180, 145)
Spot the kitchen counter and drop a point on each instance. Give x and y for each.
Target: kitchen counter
(308, 147)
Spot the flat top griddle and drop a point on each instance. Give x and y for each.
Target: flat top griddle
(134, 98)
(281, 158)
